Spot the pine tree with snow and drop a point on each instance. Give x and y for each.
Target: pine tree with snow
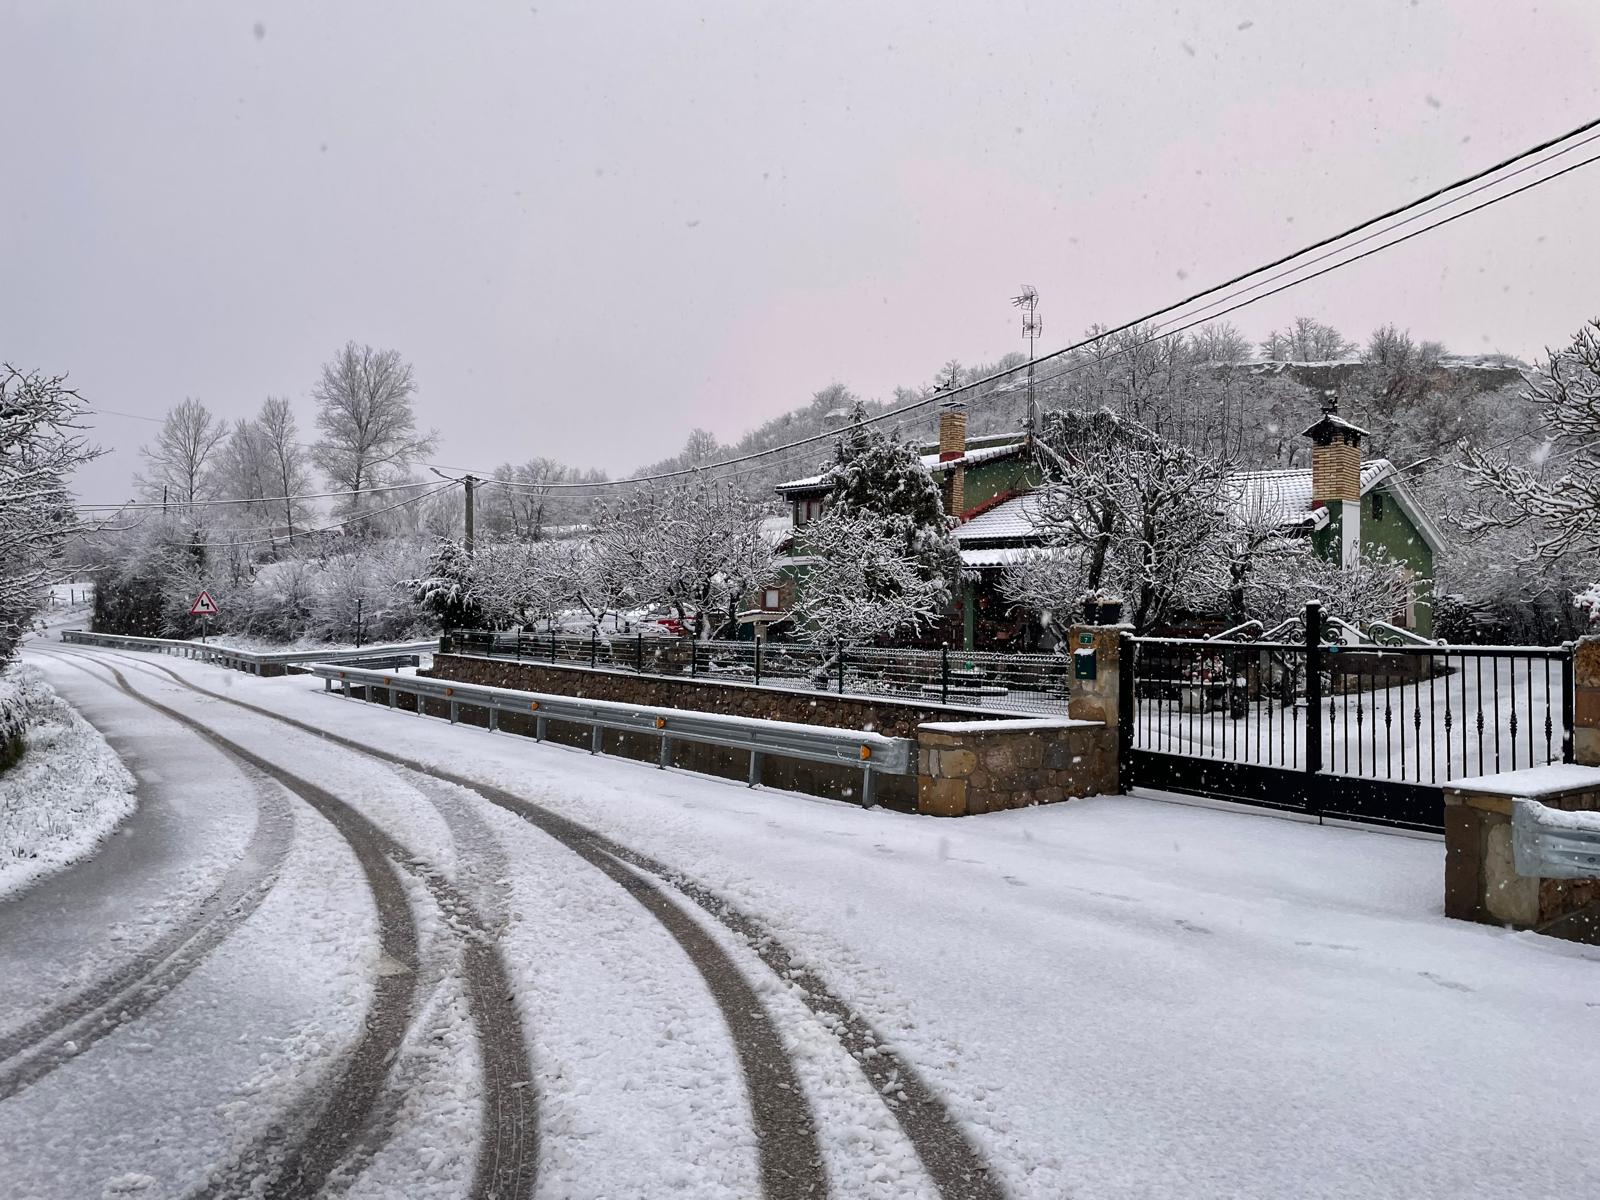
(878, 478)
(446, 589)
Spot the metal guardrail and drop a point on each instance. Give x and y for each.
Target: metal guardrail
(1547, 843)
(253, 661)
(873, 753)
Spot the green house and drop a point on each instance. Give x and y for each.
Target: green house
(1345, 505)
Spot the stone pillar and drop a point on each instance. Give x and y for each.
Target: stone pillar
(1586, 702)
(1098, 699)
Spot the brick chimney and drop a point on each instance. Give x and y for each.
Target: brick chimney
(1336, 474)
(953, 448)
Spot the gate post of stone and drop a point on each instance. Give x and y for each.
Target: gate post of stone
(1100, 698)
(1585, 701)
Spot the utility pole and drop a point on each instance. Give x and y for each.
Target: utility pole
(468, 482)
(1032, 327)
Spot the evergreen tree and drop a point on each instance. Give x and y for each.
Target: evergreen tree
(877, 477)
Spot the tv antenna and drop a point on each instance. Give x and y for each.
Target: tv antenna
(1032, 327)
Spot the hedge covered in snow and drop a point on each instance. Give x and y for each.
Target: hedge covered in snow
(66, 792)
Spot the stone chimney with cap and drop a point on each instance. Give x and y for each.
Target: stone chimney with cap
(953, 448)
(1336, 474)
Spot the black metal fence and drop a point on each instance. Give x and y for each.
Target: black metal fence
(1271, 720)
(1013, 683)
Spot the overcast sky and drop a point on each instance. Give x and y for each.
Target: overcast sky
(592, 227)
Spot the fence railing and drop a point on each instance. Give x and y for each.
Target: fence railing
(1417, 714)
(870, 753)
(998, 682)
(253, 661)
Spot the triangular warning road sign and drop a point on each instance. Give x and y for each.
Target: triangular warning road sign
(204, 606)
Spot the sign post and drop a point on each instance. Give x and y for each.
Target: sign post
(205, 608)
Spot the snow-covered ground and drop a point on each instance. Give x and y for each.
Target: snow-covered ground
(68, 792)
(1117, 997)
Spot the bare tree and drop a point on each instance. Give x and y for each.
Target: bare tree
(369, 431)
(1128, 514)
(1556, 500)
(180, 468)
(244, 473)
(285, 460)
(1220, 342)
(40, 448)
(863, 583)
(1307, 340)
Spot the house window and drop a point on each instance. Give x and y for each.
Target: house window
(769, 599)
(807, 510)
(1377, 506)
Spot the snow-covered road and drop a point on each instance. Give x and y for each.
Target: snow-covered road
(409, 959)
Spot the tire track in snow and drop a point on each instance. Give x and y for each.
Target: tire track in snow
(56, 1036)
(791, 1160)
(301, 1156)
(956, 1166)
(300, 1160)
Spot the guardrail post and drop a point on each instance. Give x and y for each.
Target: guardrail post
(540, 726)
(595, 733)
(494, 720)
(640, 643)
(867, 800)
(552, 645)
(841, 668)
(394, 696)
(944, 673)
(758, 662)
(594, 649)
(1313, 623)
(694, 657)
(755, 768)
(519, 645)
(455, 712)
(327, 685)
(666, 753)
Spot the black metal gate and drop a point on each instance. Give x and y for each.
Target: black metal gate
(1359, 732)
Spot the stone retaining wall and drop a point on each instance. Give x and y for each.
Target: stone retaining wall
(968, 762)
(985, 766)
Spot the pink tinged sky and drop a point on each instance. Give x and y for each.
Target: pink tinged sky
(593, 227)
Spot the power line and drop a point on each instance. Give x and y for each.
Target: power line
(948, 393)
(146, 504)
(322, 528)
(1190, 324)
(1377, 233)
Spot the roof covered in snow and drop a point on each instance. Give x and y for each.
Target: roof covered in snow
(1288, 493)
(974, 456)
(1285, 495)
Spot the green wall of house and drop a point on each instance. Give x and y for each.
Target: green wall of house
(1396, 533)
(1001, 477)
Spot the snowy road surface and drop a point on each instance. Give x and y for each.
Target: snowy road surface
(406, 959)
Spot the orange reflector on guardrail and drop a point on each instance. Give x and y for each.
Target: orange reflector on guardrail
(866, 752)
(534, 706)
(661, 722)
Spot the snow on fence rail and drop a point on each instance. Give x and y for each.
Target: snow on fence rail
(1012, 683)
(871, 753)
(254, 661)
